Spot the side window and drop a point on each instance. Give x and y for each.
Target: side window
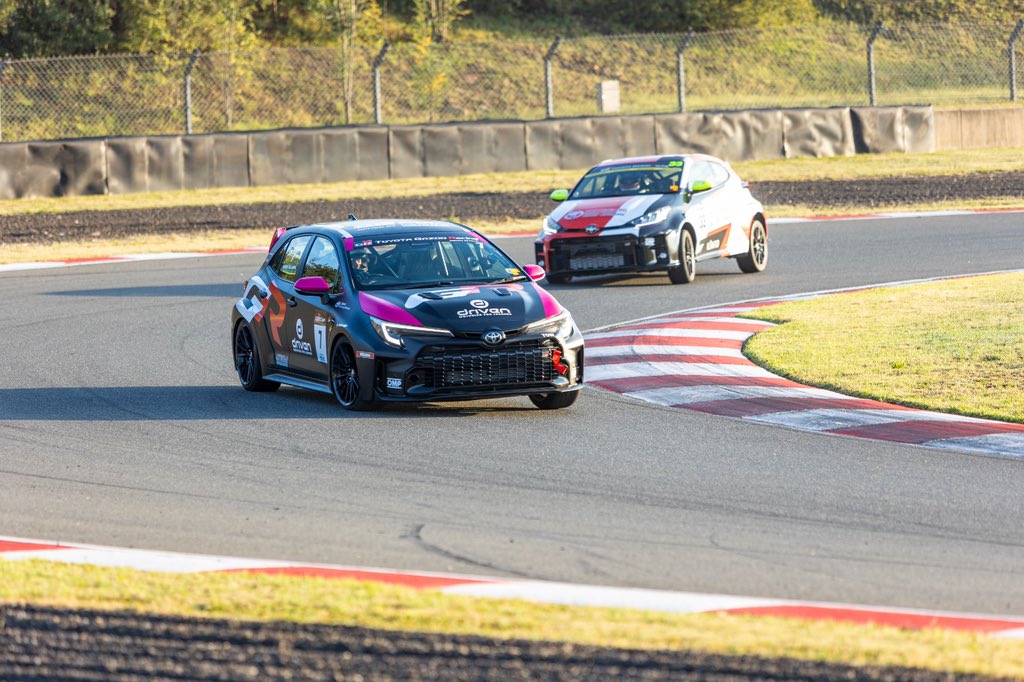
(701, 171)
(718, 174)
(286, 263)
(322, 261)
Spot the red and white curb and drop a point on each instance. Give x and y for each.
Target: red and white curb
(20, 549)
(693, 360)
(39, 265)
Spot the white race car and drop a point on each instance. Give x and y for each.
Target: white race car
(653, 213)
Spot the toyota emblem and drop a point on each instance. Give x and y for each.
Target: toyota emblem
(478, 303)
(494, 337)
(591, 229)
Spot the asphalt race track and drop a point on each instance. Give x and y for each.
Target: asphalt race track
(122, 423)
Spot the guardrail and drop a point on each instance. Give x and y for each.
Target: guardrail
(120, 165)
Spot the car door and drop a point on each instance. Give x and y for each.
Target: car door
(311, 319)
(712, 207)
(279, 320)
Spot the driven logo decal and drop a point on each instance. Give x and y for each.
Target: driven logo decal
(298, 345)
(481, 308)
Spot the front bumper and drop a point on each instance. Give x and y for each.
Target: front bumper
(465, 368)
(560, 254)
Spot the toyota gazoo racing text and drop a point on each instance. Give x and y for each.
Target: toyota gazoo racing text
(385, 310)
(653, 213)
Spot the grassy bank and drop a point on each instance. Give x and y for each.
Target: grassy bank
(953, 345)
(343, 602)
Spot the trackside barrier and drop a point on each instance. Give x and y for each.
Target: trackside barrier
(120, 165)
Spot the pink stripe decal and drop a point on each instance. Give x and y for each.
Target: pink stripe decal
(551, 306)
(909, 621)
(713, 359)
(414, 580)
(386, 310)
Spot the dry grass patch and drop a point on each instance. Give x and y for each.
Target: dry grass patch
(953, 345)
(344, 602)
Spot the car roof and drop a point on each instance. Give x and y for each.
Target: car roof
(382, 226)
(662, 157)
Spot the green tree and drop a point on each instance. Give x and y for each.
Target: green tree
(161, 26)
(43, 28)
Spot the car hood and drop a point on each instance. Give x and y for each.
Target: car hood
(474, 308)
(605, 212)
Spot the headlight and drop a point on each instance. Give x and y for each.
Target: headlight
(393, 332)
(560, 325)
(652, 218)
(549, 226)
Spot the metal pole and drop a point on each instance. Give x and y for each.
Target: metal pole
(871, 62)
(680, 73)
(3, 67)
(377, 115)
(188, 91)
(548, 81)
(1012, 49)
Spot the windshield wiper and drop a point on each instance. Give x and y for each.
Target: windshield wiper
(431, 285)
(509, 280)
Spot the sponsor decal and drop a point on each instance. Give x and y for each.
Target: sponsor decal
(573, 215)
(254, 299)
(320, 341)
(320, 318)
(394, 382)
(445, 294)
(298, 345)
(280, 359)
(515, 272)
(481, 308)
(365, 355)
(298, 328)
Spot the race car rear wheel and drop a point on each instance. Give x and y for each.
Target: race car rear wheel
(756, 259)
(345, 383)
(554, 401)
(686, 271)
(247, 362)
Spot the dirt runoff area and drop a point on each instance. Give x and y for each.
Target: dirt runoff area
(40, 643)
(868, 193)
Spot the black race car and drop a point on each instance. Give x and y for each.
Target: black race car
(400, 310)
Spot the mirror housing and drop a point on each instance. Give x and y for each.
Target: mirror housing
(534, 272)
(313, 286)
(560, 195)
(697, 186)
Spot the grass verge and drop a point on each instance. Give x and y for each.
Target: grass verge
(839, 167)
(342, 602)
(953, 345)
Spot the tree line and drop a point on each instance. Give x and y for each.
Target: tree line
(36, 28)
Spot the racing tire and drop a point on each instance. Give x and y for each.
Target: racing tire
(554, 401)
(559, 279)
(686, 271)
(756, 258)
(344, 379)
(247, 362)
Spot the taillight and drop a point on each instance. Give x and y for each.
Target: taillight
(556, 360)
(278, 233)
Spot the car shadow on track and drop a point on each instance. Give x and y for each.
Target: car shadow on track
(187, 403)
(219, 290)
(630, 279)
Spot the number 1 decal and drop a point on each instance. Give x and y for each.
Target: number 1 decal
(320, 338)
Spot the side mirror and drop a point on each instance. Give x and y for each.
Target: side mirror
(313, 286)
(695, 187)
(534, 272)
(560, 195)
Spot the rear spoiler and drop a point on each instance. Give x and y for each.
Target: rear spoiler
(278, 233)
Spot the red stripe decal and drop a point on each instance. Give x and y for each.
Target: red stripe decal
(631, 384)
(11, 546)
(420, 582)
(923, 431)
(910, 621)
(746, 407)
(663, 341)
(716, 325)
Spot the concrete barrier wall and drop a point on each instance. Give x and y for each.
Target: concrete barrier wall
(979, 128)
(277, 157)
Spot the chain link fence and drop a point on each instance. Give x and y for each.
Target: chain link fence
(821, 65)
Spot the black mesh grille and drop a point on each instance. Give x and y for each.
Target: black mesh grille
(598, 253)
(515, 364)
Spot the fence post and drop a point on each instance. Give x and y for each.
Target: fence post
(188, 90)
(378, 60)
(680, 73)
(549, 99)
(871, 62)
(3, 67)
(1012, 49)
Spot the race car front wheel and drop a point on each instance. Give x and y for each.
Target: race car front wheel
(686, 271)
(756, 258)
(554, 401)
(247, 362)
(345, 379)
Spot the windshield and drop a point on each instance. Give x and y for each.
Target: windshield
(408, 262)
(620, 181)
